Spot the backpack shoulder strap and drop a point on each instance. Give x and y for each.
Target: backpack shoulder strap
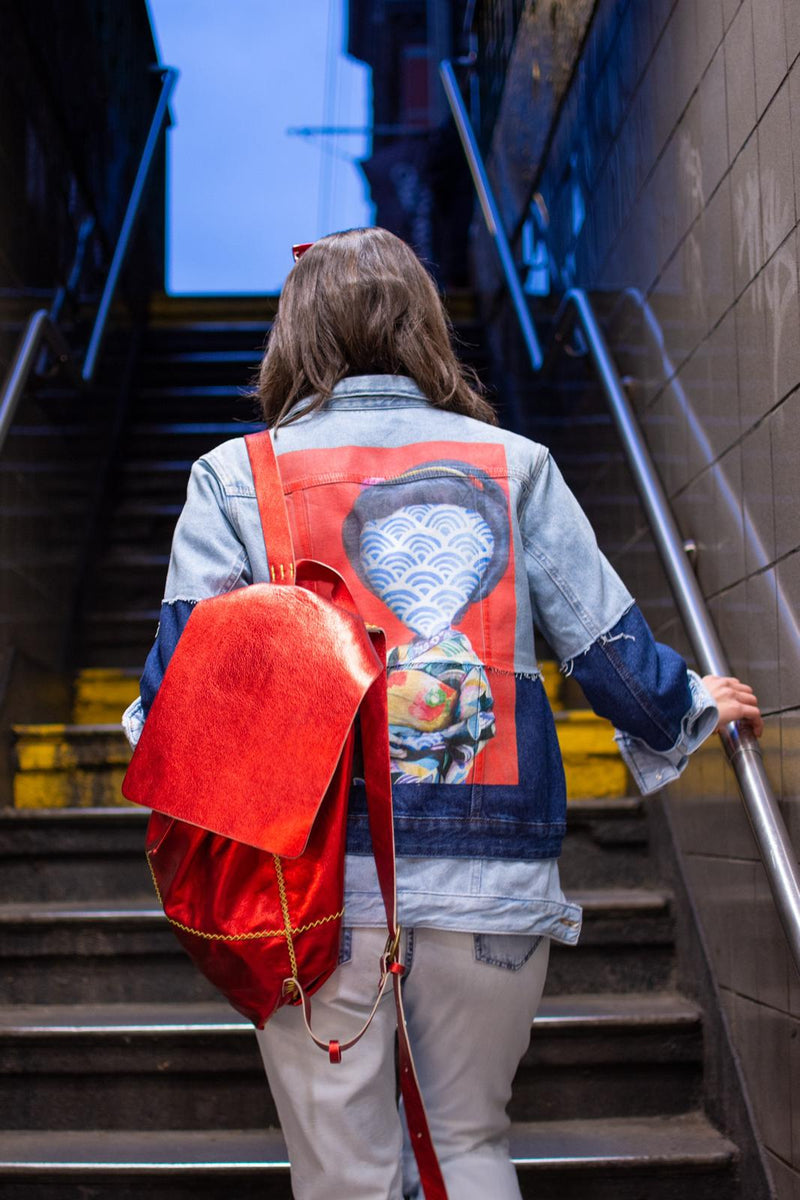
(375, 727)
(271, 507)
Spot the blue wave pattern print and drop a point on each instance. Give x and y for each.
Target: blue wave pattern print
(426, 562)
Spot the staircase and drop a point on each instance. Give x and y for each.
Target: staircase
(122, 1074)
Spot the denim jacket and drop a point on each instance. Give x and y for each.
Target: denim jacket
(457, 538)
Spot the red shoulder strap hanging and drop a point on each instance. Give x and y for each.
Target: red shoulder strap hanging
(271, 507)
(377, 778)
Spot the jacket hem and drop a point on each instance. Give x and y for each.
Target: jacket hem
(473, 914)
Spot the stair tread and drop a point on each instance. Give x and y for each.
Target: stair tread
(117, 615)
(182, 391)
(205, 427)
(122, 556)
(646, 1142)
(635, 1141)
(612, 1008)
(641, 899)
(66, 730)
(599, 900)
(556, 1012)
(138, 465)
(146, 508)
(155, 357)
(211, 326)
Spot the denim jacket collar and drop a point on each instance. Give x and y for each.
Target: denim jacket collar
(373, 391)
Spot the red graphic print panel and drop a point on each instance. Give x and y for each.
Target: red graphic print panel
(423, 537)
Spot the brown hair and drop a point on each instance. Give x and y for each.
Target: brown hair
(360, 302)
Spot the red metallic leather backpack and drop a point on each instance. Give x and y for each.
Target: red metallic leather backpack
(246, 761)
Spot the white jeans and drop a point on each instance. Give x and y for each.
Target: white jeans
(470, 1000)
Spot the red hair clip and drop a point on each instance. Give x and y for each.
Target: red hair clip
(299, 250)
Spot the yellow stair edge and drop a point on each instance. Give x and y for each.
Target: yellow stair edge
(101, 694)
(82, 763)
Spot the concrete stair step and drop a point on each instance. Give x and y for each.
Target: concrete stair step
(620, 1158)
(604, 850)
(109, 1066)
(74, 853)
(101, 695)
(592, 762)
(185, 439)
(244, 337)
(114, 638)
(131, 575)
(204, 364)
(64, 482)
(152, 478)
(83, 764)
(195, 402)
(562, 1015)
(69, 765)
(160, 398)
(206, 357)
(168, 315)
(145, 523)
(109, 951)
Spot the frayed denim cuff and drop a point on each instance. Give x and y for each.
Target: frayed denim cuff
(653, 769)
(133, 721)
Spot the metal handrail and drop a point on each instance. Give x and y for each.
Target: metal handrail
(741, 747)
(41, 329)
(129, 222)
(491, 213)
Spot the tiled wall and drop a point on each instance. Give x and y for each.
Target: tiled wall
(682, 130)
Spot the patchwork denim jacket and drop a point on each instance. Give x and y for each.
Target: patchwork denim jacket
(458, 539)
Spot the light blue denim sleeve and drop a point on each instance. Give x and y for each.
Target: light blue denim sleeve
(207, 558)
(581, 606)
(653, 769)
(576, 595)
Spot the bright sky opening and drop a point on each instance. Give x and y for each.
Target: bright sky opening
(241, 188)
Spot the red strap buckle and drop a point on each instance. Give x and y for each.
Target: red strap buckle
(334, 1052)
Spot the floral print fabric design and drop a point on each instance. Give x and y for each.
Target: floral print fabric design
(454, 688)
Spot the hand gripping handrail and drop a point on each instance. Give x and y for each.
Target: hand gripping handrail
(741, 747)
(41, 328)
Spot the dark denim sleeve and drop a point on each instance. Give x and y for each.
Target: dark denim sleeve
(172, 621)
(637, 683)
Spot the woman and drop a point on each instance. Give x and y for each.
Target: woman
(456, 537)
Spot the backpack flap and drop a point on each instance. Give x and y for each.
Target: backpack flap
(248, 724)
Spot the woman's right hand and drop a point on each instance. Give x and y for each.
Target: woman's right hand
(735, 701)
